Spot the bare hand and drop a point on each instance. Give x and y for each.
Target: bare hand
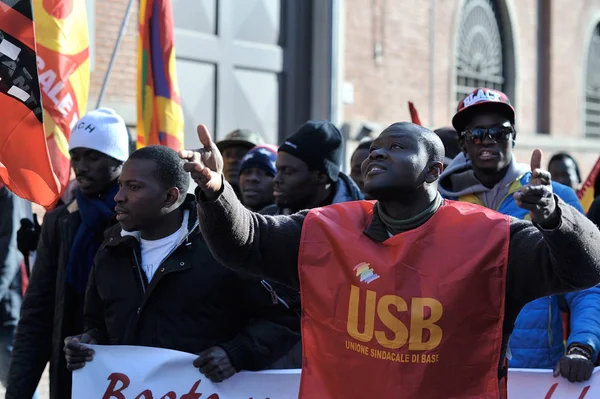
(537, 197)
(205, 165)
(78, 355)
(574, 367)
(215, 364)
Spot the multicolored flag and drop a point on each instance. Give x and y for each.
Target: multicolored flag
(160, 116)
(64, 73)
(24, 161)
(586, 193)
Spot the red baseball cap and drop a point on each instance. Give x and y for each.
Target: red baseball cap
(482, 98)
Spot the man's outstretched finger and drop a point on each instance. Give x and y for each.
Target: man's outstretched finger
(536, 160)
(204, 136)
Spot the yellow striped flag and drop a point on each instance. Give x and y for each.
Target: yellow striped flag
(586, 193)
(160, 116)
(64, 73)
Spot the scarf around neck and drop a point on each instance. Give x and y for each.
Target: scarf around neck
(95, 215)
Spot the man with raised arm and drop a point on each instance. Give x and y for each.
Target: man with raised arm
(410, 296)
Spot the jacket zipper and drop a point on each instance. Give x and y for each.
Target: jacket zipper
(551, 339)
(139, 270)
(167, 256)
(178, 245)
(274, 297)
(509, 193)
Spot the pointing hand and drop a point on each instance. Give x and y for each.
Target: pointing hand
(205, 165)
(537, 197)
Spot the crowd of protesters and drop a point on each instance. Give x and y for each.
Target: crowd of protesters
(132, 257)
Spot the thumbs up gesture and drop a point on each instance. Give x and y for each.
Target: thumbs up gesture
(537, 196)
(205, 165)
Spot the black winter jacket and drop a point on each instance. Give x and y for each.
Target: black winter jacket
(191, 304)
(50, 311)
(345, 190)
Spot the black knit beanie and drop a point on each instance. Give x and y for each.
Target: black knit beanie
(319, 145)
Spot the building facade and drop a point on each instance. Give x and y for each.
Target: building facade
(260, 64)
(545, 54)
(270, 64)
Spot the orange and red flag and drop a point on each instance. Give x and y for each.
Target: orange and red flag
(64, 74)
(24, 161)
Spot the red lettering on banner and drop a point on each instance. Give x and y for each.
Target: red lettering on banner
(584, 392)
(551, 391)
(117, 393)
(192, 394)
(555, 386)
(110, 391)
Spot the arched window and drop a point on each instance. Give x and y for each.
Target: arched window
(484, 55)
(592, 87)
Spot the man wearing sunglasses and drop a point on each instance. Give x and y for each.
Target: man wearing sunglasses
(486, 173)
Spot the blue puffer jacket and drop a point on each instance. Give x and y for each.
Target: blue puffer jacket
(537, 340)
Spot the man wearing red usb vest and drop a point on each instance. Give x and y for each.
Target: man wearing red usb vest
(410, 296)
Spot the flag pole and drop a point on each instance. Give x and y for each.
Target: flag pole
(115, 51)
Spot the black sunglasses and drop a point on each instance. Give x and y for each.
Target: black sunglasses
(499, 133)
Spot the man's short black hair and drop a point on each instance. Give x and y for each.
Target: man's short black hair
(432, 142)
(169, 167)
(562, 156)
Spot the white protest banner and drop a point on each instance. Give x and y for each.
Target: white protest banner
(133, 372)
(540, 384)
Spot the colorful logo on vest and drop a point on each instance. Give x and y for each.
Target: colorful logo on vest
(365, 272)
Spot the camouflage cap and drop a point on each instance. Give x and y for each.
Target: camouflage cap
(241, 137)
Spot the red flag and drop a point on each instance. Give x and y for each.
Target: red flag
(414, 115)
(586, 193)
(24, 161)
